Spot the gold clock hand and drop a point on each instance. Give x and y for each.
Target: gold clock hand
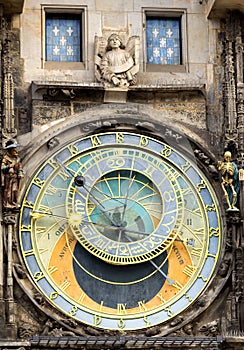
(76, 219)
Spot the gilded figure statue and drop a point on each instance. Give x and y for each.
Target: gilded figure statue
(229, 180)
(11, 174)
(116, 65)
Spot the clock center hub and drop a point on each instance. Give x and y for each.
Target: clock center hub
(124, 207)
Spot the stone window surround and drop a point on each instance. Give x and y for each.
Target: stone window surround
(77, 10)
(160, 12)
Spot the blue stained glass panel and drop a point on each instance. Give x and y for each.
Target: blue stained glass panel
(163, 41)
(63, 38)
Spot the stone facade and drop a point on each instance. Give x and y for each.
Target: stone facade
(199, 108)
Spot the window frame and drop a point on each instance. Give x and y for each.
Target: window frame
(161, 14)
(76, 10)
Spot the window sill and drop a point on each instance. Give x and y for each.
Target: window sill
(64, 65)
(165, 68)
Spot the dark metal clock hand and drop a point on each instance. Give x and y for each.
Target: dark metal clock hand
(157, 267)
(80, 181)
(125, 203)
(133, 231)
(188, 241)
(162, 273)
(65, 168)
(101, 207)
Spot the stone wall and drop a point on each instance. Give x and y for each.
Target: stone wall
(179, 96)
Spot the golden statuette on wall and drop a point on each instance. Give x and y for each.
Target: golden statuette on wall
(11, 173)
(230, 182)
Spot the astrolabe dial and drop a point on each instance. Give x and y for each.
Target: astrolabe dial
(130, 207)
(120, 231)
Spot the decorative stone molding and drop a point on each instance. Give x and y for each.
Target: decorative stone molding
(210, 329)
(9, 130)
(233, 84)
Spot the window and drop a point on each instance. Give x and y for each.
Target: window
(64, 37)
(165, 41)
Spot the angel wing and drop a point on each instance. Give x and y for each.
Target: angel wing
(133, 47)
(100, 49)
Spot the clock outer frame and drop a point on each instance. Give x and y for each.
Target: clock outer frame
(152, 129)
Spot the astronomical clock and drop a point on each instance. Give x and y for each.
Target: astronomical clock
(120, 230)
(121, 226)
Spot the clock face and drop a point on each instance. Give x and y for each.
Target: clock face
(120, 231)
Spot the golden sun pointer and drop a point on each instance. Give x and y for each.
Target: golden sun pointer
(36, 216)
(75, 219)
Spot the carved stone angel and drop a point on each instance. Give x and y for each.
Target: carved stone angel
(115, 64)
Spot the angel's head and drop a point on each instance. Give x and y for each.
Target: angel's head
(114, 41)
